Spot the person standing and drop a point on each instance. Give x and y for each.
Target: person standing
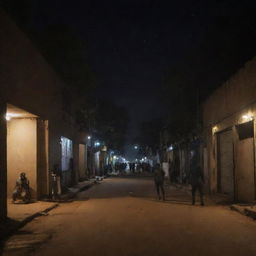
(196, 181)
(159, 181)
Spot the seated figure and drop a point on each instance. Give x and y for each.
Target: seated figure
(21, 189)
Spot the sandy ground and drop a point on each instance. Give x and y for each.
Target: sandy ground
(122, 217)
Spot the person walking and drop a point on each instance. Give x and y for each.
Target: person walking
(196, 181)
(159, 181)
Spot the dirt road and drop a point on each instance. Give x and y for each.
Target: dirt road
(122, 217)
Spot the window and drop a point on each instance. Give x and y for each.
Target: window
(245, 130)
(66, 153)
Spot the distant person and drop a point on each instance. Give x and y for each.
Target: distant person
(197, 181)
(159, 181)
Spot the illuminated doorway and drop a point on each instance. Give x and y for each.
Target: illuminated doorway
(27, 150)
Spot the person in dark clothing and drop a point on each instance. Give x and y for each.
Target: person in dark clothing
(159, 181)
(197, 182)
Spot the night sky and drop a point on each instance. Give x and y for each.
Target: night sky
(132, 44)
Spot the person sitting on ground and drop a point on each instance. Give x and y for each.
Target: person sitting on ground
(21, 188)
(159, 181)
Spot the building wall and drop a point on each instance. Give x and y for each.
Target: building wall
(22, 152)
(82, 160)
(26, 79)
(43, 175)
(28, 82)
(234, 103)
(3, 162)
(233, 96)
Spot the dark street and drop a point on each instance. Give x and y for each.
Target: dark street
(121, 216)
(127, 128)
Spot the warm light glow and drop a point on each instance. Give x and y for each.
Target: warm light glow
(9, 116)
(214, 129)
(247, 117)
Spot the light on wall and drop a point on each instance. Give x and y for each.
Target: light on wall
(247, 117)
(9, 116)
(214, 129)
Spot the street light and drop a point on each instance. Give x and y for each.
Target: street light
(135, 147)
(96, 144)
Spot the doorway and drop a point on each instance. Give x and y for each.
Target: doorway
(245, 175)
(27, 151)
(225, 178)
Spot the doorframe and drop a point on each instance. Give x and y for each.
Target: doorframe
(217, 134)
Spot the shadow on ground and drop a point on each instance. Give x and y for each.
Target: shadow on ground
(6, 229)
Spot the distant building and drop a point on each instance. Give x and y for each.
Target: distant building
(229, 131)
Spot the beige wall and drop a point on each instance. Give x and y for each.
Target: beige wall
(3, 162)
(30, 83)
(21, 152)
(225, 109)
(26, 80)
(233, 96)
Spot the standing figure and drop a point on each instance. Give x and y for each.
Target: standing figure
(159, 181)
(196, 181)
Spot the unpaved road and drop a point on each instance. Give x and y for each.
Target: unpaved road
(122, 217)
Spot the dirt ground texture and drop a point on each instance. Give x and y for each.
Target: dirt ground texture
(121, 216)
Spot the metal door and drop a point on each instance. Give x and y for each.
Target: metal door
(226, 163)
(245, 170)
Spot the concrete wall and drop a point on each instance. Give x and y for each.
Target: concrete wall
(233, 96)
(3, 162)
(82, 161)
(27, 81)
(22, 152)
(232, 104)
(43, 174)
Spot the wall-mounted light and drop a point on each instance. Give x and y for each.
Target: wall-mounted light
(89, 137)
(9, 116)
(247, 117)
(214, 129)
